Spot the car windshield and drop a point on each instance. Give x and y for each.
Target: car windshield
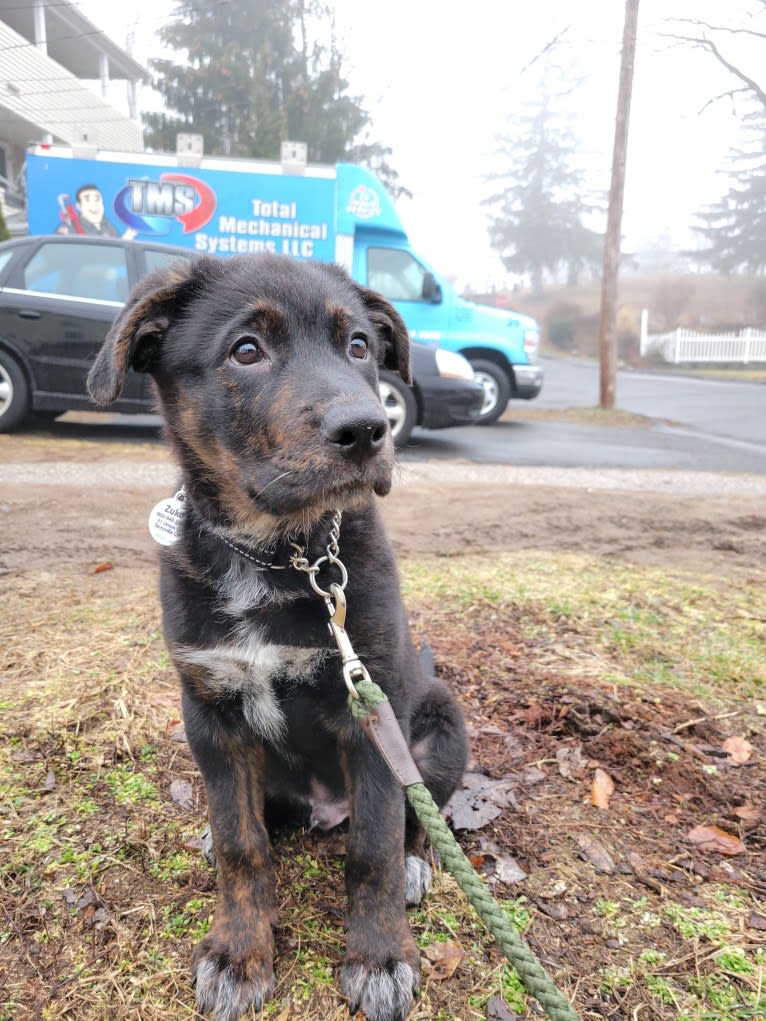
(395, 274)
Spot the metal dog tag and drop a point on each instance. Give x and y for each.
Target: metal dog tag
(166, 519)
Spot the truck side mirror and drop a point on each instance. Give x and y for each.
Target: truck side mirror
(432, 292)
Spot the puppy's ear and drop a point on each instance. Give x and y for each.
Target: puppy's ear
(393, 332)
(137, 333)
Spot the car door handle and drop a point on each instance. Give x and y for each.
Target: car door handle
(28, 313)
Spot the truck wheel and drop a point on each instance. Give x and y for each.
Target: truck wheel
(14, 394)
(400, 407)
(497, 390)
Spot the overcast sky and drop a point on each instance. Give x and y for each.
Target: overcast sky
(440, 82)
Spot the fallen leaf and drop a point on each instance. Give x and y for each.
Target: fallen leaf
(105, 566)
(556, 910)
(182, 792)
(87, 900)
(711, 838)
(747, 814)
(49, 783)
(479, 801)
(498, 1010)
(165, 699)
(756, 921)
(595, 853)
(533, 714)
(508, 870)
(738, 749)
(602, 789)
(490, 847)
(445, 958)
(533, 775)
(641, 872)
(480, 859)
(570, 761)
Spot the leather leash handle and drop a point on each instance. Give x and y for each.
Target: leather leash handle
(382, 728)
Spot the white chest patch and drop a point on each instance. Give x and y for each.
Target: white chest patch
(249, 667)
(244, 587)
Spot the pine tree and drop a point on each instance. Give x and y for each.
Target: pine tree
(536, 218)
(254, 77)
(734, 228)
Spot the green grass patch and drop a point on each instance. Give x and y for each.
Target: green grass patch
(624, 623)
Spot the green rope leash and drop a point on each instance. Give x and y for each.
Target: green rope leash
(364, 698)
(532, 974)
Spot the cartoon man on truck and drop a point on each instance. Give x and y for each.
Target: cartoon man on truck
(86, 214)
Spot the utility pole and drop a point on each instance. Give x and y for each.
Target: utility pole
(608, 321)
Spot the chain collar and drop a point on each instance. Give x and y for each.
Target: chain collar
(297, 558)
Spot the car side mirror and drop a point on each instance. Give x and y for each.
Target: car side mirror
(432, 292)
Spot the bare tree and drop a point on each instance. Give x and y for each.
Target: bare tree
(734, 229)
(716, 40)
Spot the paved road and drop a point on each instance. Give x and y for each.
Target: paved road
(712, 407)
(559, 444)
(700, 425)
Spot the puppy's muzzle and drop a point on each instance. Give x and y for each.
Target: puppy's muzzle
(358, 433)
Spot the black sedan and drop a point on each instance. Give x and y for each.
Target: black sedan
(59, 296)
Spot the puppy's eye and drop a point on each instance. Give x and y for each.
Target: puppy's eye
(247, 351)
(358, 347)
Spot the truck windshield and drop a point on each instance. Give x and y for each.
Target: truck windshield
(395, 274)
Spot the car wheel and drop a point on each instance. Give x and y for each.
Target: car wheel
(497, 390)
(400, 406)
(14, 394)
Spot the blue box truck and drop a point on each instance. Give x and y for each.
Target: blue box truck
(342, 213)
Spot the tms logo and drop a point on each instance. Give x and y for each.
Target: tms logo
(150, 207)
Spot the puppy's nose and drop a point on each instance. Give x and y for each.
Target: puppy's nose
(359, 433)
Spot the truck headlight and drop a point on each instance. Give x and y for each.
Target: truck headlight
(531, 343)
(452, 365)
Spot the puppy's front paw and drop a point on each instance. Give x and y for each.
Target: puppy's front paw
(417, 880)
(381, 993)
(206, 847)
(227, 985)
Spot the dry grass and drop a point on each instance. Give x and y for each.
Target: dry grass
(605, 417)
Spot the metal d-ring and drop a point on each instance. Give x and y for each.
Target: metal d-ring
(313, 571)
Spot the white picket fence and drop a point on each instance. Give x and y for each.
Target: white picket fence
(683, 345)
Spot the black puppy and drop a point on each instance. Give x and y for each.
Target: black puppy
(266, 371)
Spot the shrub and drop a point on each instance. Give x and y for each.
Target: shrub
(561, 325)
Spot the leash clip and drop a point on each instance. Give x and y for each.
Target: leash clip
(353, 668)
